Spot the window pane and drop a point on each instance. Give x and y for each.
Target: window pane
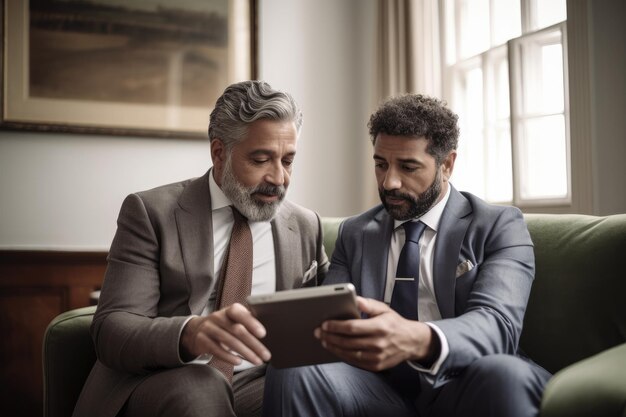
(542, 74)
(552, 76)
(548, 12)
(473, 35)
(501, 96)
(507, 21)
(499, 175)
(469, 171)
(543, 151)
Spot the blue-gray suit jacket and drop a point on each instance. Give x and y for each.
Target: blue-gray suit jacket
(482, 309)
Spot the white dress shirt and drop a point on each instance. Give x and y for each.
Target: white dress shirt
(426, 303)
(263, 255)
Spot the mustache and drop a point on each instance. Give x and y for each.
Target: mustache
(396, 194)
(269, 189)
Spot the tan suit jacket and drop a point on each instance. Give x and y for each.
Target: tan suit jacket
(160, 270)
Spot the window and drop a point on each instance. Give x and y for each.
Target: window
(505, 75)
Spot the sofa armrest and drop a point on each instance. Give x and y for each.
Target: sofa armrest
(68, 356)
(595, 387)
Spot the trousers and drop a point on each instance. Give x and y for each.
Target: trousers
(197, 390)
(493, 386)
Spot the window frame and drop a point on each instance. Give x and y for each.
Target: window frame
(516, 96)
(453, 73)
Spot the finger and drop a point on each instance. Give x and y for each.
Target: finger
(375, 360)
(240, 314)
(375, 326)
(372, 307)
(374, 344)
(247, 329)
(220, 352)
(356, 357)
(237, 338)
(222, 330)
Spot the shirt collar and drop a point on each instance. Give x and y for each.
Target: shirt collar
(218, 198)
(432, 217)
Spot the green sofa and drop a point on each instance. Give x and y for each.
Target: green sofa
(575, 325)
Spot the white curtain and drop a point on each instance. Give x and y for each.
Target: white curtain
(408, 48)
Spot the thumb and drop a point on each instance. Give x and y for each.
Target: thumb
(372, 307)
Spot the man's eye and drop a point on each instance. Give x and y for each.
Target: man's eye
(287, 162)
(260, 161)
(380, 165)
(409, 168)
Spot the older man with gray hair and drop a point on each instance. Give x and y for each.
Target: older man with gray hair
(172, 333)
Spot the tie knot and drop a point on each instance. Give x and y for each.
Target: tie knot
(237, 216)
(414, 230)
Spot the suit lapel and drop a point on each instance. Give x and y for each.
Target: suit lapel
(376, 238)
(286, 242)
(452, 228)
(195, 234)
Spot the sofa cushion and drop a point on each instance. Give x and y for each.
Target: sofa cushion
(577, 305)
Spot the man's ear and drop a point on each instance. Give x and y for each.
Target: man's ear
(448, 165)
(218, 156)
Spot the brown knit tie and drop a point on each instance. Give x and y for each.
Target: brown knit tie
(235, 277)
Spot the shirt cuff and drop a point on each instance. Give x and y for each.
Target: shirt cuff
(445, 350)
(200, 360)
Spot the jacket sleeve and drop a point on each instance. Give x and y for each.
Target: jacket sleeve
(126, 332)
(491, 322)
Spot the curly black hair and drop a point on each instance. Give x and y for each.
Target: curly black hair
(418, 115)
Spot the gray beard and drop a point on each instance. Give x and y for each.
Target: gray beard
(417, 206)
(242, 196)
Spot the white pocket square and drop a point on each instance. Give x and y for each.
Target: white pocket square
(464, 267)
(310, 273)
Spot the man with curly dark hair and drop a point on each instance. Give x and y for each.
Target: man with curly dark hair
(443, 279)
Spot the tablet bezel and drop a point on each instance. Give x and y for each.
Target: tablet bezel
(291, 316)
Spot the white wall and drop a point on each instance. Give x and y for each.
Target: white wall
(63, 192)
(323, 52)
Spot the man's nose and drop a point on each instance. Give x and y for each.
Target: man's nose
(392, 180)
(276, 175)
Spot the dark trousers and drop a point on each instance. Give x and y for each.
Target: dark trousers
(496, 386)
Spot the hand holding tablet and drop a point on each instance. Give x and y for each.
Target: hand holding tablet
(290, 318)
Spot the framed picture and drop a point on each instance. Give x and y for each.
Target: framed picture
(122, 67)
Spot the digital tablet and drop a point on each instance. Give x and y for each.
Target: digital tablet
(291, 316)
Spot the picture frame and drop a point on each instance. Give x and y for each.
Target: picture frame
(122, 67)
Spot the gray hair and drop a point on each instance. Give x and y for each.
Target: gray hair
(245, 102)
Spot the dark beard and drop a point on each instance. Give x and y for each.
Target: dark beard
(417, 206)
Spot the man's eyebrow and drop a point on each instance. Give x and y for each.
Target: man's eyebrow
(410, 161)
(268, 152)
(262, 152)
(402, 160)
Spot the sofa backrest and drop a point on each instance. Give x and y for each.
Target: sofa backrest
(577, 306)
